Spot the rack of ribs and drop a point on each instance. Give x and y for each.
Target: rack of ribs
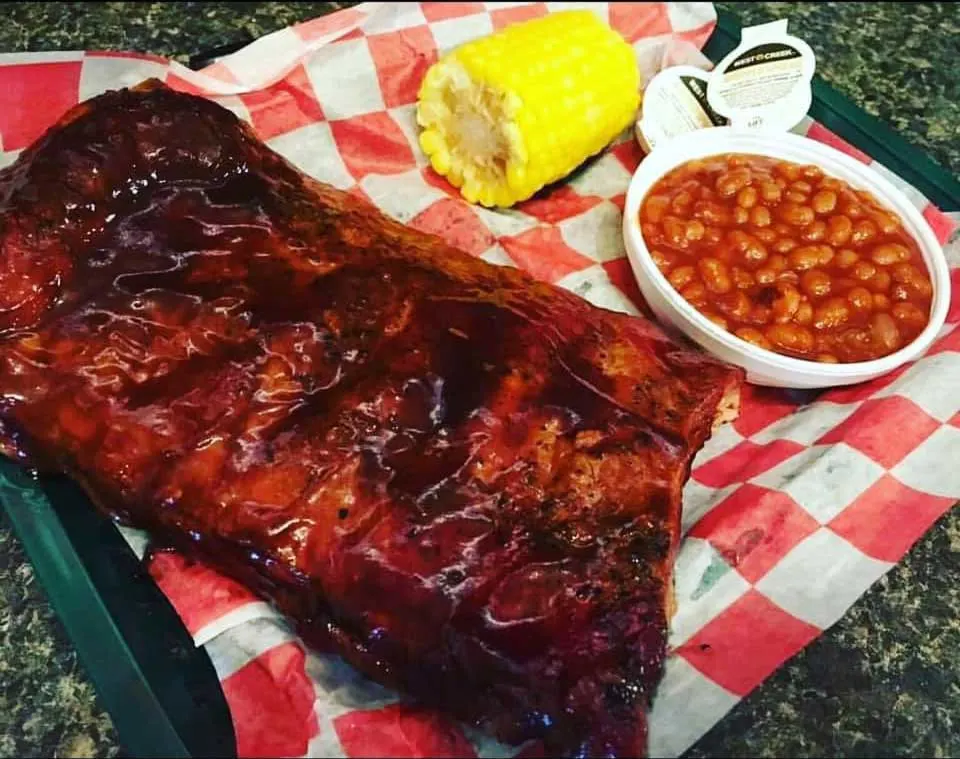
(465, 481)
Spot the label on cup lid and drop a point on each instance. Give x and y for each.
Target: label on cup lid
(674, 103)
(764, 83)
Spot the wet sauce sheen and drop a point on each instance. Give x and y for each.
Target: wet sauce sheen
(788, 258)
(466, 482)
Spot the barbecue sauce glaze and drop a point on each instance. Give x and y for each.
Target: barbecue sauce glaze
(464, 481)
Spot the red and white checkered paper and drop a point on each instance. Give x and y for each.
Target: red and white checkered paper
(792, 512)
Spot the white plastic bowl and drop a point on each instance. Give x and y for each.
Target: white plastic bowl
(766, 367)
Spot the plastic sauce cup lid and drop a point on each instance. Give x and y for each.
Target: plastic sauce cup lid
(674, 103)
(764, 83)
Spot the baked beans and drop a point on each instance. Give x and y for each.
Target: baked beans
(787, 258)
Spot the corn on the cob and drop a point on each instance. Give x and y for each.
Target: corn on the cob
(507, 114)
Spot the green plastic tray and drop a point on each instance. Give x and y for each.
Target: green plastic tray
(161, 691)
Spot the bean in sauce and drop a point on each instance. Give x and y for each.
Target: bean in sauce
(788, 258)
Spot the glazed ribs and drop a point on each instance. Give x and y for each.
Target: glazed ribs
(466, 481)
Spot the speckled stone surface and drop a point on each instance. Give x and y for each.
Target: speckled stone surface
(174, 30)
(884, 681)
(47, 704)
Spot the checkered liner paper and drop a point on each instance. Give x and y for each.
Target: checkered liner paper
(792, 512)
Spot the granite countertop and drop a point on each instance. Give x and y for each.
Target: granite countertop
(884, 681)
